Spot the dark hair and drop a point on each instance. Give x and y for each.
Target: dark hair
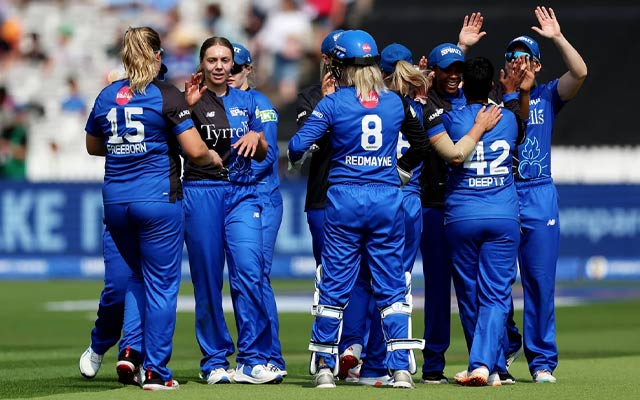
(478, 79)
(215, 41)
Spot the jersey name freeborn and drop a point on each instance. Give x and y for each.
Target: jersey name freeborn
(368, 161)
(486, 181)
(213, 133)
(127, 148)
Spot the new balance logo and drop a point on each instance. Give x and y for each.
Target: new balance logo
(551, 222)
(211, 114)
(256, 215)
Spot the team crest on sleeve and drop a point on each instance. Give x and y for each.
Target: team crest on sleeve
(268, 116)
(124, 95)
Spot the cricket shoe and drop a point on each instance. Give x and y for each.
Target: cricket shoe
(153, 381)
(274, 368)
(402, 379)
(256, 374)
(324, 379)
(129, 367)
(478, 377)
(543, 376)
(494, 379)
(434, 378)
(90, 363)
(461, 377)
(218, 376)
(506, 378)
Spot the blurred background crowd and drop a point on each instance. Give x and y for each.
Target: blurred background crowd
(56, 55)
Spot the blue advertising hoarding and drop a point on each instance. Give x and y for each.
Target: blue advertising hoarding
(53, 230)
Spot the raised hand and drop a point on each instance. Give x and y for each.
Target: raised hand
(471, 31)
(423, 63)
(192, 90)
(328, 84)
(549, 26)
(528, 78)
(512, 78)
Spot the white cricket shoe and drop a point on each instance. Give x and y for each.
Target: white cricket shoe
(402, 379)
(324, 379)
(257, 374)
(218, 376)
(90, 363)
(277, 370)
(543, 376)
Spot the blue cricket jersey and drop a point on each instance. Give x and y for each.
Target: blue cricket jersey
(364, 136)
(483, 185)
(266, 171)
(222, 121)
(534, 155)
(142, 153)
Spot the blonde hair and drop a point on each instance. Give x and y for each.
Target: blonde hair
(407, 80)
(138, 57)
(366, 79)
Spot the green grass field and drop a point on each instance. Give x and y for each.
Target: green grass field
(39, 350)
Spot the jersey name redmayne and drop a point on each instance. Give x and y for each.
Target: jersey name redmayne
(368, 161)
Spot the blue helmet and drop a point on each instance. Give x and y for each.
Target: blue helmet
(355, 48)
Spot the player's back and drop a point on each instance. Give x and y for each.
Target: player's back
(364, 136)
(142, 161)
(482, 186)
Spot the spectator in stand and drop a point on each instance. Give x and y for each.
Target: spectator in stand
(285, 38)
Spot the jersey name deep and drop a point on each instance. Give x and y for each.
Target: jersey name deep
(368, 161)
(213, 133)
(127, 148)
(486, 181)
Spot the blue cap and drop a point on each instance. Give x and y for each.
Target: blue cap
(330, 41)
(241, 55)
(393, 53)
(529, 43)
(444, 55)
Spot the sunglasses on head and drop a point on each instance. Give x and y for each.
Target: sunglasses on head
(236, 69)
(513, 55)
(161, 51)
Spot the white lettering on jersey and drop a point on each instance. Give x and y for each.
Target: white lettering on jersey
(486, 181)
(237, 112)
(184, 113)
(438, 112)
(372, 161)
(127, 148)
(213, 133)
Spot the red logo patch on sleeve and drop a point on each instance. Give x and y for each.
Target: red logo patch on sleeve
(124, 95)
